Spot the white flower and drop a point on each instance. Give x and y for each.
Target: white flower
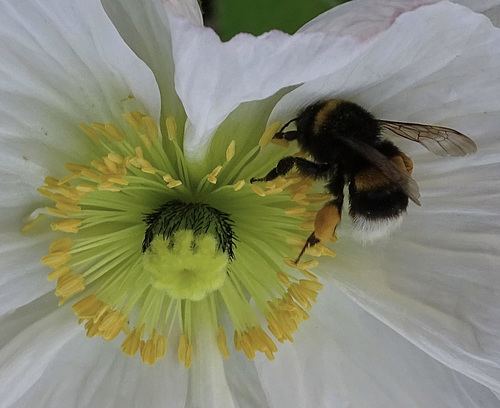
(138, 105)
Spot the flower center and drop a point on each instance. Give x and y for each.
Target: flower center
(148, 243)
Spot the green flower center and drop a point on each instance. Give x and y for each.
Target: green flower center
(148, 243)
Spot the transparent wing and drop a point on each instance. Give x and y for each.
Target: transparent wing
(439, 140)
(402, 179)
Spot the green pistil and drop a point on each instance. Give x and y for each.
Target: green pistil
(186, 266)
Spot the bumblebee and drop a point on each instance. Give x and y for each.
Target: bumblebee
(346, 146)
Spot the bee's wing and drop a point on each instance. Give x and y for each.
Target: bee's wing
(387, 167)
(439, 140)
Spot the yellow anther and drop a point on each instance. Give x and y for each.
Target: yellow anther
(137, 116)
(168, 178)
(139, 153)
(85, 188)
(283, 278)
(257, 190)
(269, 133)
(150, 127)
(145, 140)
(311, 285)
(238, 185)
(69, 177)
(89, 131)
(61, 244)
(99, 165)
(171, 128)
(153, 349)
(132, 342)
(69, 208)
(75, 168)
(69, 225)
(273, 191)
(185, 351)
(30, 224)
(116, 158)
(68, 286)
(58, 273)
(90, 308)
(56, 259)
(92, 328)
(110, 165)
(231, 150)
(91, 175)
(299, 210)
(212, 176)
(174, 183)
(111, 324)
(318, 197)
(221, 342)
(134, 124)
(112, 133)
(300, 265)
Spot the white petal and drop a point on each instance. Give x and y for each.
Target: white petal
(23, 278)
(64, 63)
(212, 78)
(363, 19)
(490, 8)
(85, 372)
(208, 386)
(343, 357)
(24, 360)
(145, 28)
(404, 74)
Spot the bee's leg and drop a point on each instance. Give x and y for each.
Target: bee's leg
(286, 164)
(328, 217)
(325, 223)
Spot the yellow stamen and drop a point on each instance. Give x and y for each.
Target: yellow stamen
(185, 351)
(58, 273)
(131, 344)
(231, 150)
(30, 224)
(56, 259)
(171, 128)
(174, 183)
(257, 190)
(238, 185)
(111, 324)
(151, 128)
(145, 140)
(136, 125)
(221, 342)
(69, 225)
(90, 132)
(269, 133)
(212, 177)
(68, 286)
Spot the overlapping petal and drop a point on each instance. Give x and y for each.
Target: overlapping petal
(346, 358)
(62, 64)
(435, 281)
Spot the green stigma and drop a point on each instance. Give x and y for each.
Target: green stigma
(186, 266)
